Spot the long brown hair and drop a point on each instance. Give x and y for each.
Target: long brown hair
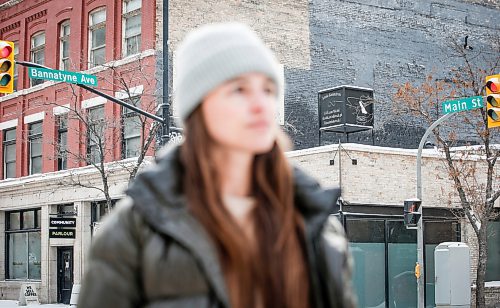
(277, 271)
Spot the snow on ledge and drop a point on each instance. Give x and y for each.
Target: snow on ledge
(492, 284)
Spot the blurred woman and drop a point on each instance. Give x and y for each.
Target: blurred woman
(222, 220)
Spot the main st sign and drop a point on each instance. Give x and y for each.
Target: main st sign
(463, 104)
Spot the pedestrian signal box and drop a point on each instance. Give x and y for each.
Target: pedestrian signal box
(412, 213)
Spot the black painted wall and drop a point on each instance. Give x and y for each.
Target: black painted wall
(377, 44)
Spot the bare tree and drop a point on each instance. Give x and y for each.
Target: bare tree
(472, 168)
(99, 133)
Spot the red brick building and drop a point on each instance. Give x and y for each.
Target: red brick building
(48, 128)
(74, 36)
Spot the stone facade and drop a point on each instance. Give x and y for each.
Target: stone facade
(386, 176)
(381, 175)
(46, 192)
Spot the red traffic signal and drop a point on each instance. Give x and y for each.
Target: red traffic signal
(6, 67)
(493, 100)
(493, 85)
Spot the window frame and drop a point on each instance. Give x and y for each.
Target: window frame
(491, 276)
(92, 28)
(62, 210)
(126, 15)
(62, 158)
(31, 138)
(36, 49)
(128, 114)
(6, 143)
(37, 213)
(64, 38)
(91, 123)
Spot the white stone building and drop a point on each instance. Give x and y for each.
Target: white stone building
(373, 190)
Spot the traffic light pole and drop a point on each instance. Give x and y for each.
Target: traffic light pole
(165, 104)
(164, 121)
(420, 226)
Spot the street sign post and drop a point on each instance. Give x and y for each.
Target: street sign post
(420, 225)
(63, 76)
(463, 104)
(163, 121)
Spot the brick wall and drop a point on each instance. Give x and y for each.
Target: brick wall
(381, 175)
(492, 297)
(375, 45)
(283, 24)
(325, 43)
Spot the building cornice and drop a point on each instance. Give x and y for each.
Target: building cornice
(62, 186)
(10, 27)
(28, 8)
(36, 16)
(465, 152)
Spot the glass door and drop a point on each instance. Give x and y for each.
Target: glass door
(367, 244)
(401, 260)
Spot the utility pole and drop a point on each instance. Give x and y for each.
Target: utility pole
(165, 104)
(420, 226)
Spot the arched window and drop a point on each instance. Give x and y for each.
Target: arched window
(97, 37)
(131, 25)
(38, 52)
(64, 31)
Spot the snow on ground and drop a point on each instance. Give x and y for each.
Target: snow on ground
(13, 304)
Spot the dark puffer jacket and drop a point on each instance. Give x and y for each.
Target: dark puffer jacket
(151, 252)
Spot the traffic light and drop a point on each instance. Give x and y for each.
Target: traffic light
(412, 212)
(6, 67)
(493, 100)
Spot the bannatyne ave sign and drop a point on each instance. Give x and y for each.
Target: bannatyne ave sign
(64, 76)
(463, 104)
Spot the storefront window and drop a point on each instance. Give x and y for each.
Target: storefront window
(367, 244)
(18, 256)
(29, 220)
(402, 256)
(493, 264)
(34, 255)
(15, 221)
(385, 254)
(23, 244)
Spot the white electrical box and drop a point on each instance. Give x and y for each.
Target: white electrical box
(452, 275)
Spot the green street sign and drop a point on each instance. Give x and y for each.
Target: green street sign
(64, 76)
(463, 104)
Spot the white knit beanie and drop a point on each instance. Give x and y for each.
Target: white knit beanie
(214, 54)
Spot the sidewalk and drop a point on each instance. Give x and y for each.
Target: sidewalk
(13, 304)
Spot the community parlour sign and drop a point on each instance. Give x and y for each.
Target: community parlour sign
(65, 227)
(62, 233)
(62, 222)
